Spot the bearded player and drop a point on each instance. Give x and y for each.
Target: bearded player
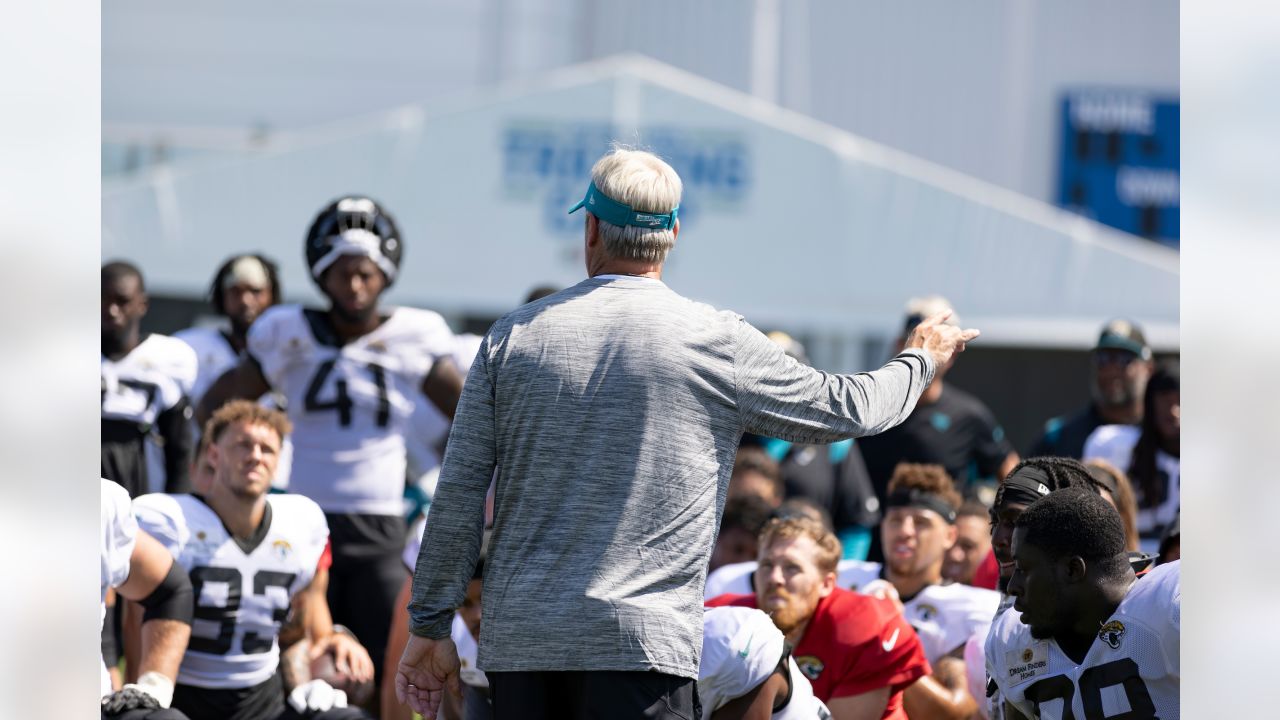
(351, 376)
(918, 529)
(1086, 639)
(251, 558)
(856, 650)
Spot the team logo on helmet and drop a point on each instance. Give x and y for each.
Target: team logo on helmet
(1112, 633)
(811, 666)
(354, 225)
(926, 612)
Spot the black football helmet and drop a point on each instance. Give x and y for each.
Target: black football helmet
(354, 225)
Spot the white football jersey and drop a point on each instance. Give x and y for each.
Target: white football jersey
(215, 356)
(946, 616)
(350, 404)
(1114, 443)
(119, 534)
(154, 377)
(741, 648)
(242, 588)
(1132, 669)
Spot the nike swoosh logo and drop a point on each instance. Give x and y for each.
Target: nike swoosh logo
(893, 640)
(743, 652)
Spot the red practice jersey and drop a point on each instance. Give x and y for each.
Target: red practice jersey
(854, 644)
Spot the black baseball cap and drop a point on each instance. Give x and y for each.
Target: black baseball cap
(1121, 334)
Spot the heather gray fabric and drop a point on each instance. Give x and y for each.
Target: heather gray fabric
(612, 412)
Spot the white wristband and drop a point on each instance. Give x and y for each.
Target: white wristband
(157, 686)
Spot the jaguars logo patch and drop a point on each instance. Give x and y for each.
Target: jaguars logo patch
(1027, 655)
(282, 548)
(811, 666)
(926, 612)
(1112, 633)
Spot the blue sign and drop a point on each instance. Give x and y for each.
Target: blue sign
(1120, 161)
(549, 163)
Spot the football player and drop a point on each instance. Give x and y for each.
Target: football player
(251, 557)
(146, 414)
(857, 651)
(747, 672)
(973, 543)
(242, 288)
(1029, 481)
(351, 376)
(138, 568)
(919, 528)
(1086, 639)
(146, 386)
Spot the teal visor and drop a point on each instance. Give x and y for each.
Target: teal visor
(616, 213)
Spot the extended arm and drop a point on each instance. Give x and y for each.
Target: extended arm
(780, 397)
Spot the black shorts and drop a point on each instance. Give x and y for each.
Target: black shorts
(264, 701)
(594, 695)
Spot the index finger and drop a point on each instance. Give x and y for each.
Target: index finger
(969, 334)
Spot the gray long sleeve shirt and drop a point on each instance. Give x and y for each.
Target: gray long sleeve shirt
(612, 412)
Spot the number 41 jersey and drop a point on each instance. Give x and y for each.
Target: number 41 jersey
(1131, 670)
(350, 403)
(242, 587)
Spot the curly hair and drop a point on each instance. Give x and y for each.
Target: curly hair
(932, 479)
(1076, 521)
(248, 411)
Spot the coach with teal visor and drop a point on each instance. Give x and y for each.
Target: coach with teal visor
(621, 214)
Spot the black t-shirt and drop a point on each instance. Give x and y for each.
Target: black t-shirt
(835, 477)
(958, 432)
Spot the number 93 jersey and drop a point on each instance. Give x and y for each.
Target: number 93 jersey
(1131, 670)
(242, 587)
(349, 404)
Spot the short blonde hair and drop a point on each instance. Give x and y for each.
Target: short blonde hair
(646, 183)
(798, 526)
(238, 411)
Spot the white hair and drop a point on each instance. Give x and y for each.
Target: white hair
(646, 183)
